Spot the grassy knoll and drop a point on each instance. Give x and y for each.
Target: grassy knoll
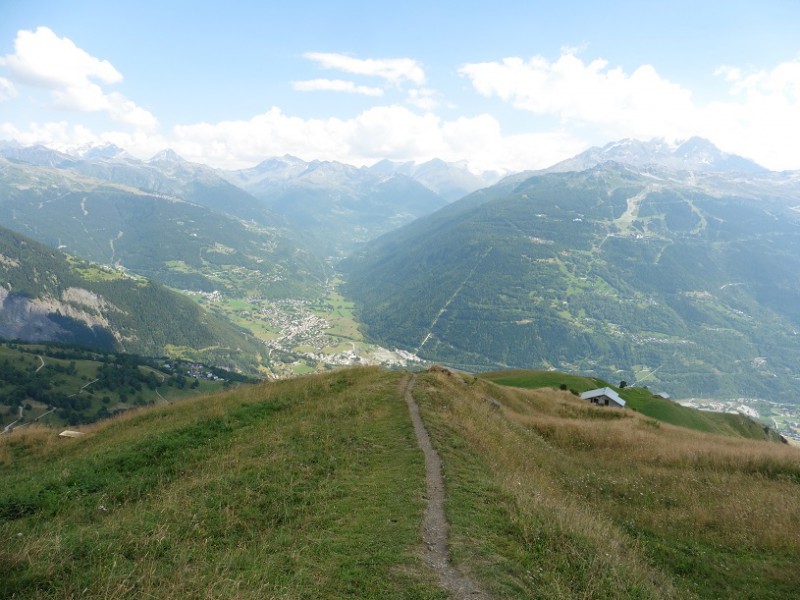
(308, 488)
(314, 488)
(552, 498)
(639, 399)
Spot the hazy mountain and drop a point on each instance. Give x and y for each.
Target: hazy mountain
(35, 155)
(340, 205)
(166, 174)
(175, 242)
(268, 172)
(450, 180)
(47, 296)
(694, 154)
(332, 205)
(608, 270)
(105, 151)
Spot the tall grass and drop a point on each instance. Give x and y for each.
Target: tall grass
(314, 488)
(554, 498)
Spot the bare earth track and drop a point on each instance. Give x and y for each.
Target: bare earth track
(434, 524)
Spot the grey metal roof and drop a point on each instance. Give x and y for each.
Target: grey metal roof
(603, 392)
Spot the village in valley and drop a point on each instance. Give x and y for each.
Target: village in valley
(779, 416)
(306, 336)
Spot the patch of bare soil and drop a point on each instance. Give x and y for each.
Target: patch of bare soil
(434, 525)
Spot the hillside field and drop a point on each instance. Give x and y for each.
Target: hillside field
(315, 487)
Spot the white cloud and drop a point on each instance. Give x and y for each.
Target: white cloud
(335, 85)
(393, 132)
(7, 89)
(589, 102)
(641, 104)
(393, 70)
(759, 118)
(424, 98)
(58, 135)
(42, 59)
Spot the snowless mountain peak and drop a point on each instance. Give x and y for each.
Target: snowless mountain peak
(168, 155)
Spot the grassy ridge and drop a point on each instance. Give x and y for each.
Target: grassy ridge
(641, 400)
(306, 488)
(552, 498)
(314, 488)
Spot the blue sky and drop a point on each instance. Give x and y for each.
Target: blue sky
(502, 85)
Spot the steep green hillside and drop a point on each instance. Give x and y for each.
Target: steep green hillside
(641, 400)
(684, 279)
(47, 296)
(315, 487)
(177, 243)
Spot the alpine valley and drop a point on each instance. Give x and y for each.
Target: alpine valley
(668, 266)
(674, 267)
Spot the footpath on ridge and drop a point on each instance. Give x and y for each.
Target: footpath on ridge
(434, 524)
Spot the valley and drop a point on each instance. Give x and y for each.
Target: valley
(305, 336)
(419, 301)
(632, 262)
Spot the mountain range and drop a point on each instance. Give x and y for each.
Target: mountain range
(330, 207)
(343, 206)
(663, 265)
(188, 227)
(668, 264)
(694, 154)
(682, 278)
(174, 241)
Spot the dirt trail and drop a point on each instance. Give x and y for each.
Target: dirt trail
(434, 524)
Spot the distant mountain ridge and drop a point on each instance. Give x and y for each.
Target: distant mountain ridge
(693, 154)
(332, 205)
(617, 270)
(181, 243)
(340, 205)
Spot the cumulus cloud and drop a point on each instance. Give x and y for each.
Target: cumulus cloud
(758, 118)
(424, 98)
(58, 135)
(335, 85)
(581, 102)
(7, 89)
(640, 104)
(393, 132)
(43, 60)
(393, 70)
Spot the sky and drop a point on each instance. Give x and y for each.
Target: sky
(503, 86)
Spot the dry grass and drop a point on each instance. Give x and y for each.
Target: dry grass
(608, 503)
(313, 488)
